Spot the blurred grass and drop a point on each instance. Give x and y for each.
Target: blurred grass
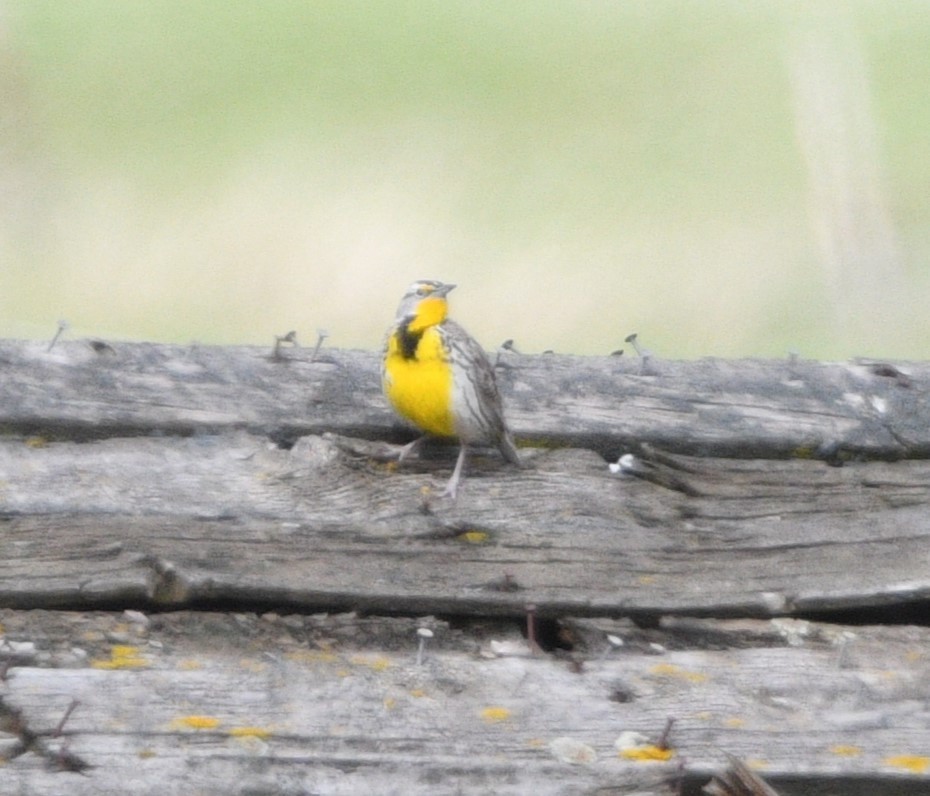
(226, 171)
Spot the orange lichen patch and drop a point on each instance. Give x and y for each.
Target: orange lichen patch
(646, 580)
(145, 754)
(916, 764)
(647, 753)
(189, 665)
(36, 442)
(195, 723)
(418, 693)
(734, 721)
(676, 672)
(535, 743)
(389, 703)
(121, 657)
(262, 733)
(844, 750)
(912, 656)
(495, 714)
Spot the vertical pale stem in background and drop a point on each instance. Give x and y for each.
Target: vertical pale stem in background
(848, 204)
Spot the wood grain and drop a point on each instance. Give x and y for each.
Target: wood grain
(337, 704)
(744, 408)
(171, 521)
(157, 499)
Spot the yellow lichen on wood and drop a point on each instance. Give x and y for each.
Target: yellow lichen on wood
(845, 750)
(378, 663)
(121, 657)
(647, 753)
(916, 764)
(474, 537)
(495, 714)
(195, 723)
(262, 733)
(311, 656)
(676, 672)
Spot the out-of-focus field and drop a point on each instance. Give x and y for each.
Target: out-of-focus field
(723, 178)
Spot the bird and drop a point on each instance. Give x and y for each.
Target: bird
(436, 375)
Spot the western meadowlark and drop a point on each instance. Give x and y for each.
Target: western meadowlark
(437, 376)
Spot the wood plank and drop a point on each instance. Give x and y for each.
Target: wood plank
(192, 521)
(337, 704)
(164, 477)
(748, 408)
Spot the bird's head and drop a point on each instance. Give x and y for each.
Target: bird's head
(424, 304)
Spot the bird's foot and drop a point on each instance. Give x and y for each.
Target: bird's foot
(409, 449)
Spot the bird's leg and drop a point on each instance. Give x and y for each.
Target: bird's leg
(452, 487)
(410, 447)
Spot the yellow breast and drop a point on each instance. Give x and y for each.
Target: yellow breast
(419, 387)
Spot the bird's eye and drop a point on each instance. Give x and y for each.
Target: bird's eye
(424, 290)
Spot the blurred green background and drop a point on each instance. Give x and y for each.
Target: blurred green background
(724, 178)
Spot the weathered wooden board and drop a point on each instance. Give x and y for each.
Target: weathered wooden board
(239, 704)
(178, 521)
(609, 404)
(157, 477)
